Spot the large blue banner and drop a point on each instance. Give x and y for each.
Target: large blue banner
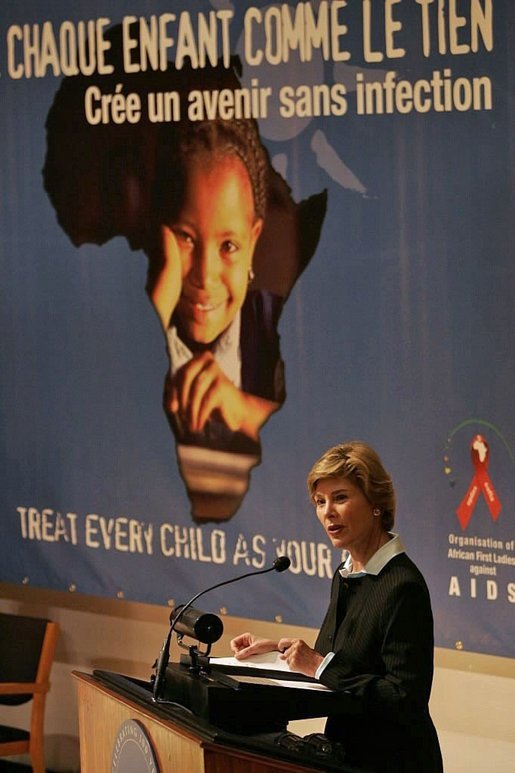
(185, 331)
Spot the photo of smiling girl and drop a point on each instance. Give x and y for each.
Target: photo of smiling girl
(226, 374)
(216, 325)
(225, 244)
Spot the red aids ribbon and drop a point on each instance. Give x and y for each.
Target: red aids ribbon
(480, 483)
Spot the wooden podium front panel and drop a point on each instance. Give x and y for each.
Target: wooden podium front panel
(102, 712)
(177, 750)
(218, 760)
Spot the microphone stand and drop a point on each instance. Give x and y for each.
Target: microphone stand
(280, 565)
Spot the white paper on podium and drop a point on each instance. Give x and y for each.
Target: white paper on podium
(268, 661)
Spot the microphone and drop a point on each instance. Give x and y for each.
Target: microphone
(199, 625)
(279, 565)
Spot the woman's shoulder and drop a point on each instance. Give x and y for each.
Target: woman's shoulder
(401, 569)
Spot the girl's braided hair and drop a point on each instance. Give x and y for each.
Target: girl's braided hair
(238, 138)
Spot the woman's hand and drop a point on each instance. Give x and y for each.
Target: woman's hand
(200, 389)
(299, 656)
(245, 645)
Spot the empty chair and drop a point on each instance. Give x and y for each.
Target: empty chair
(27, 647)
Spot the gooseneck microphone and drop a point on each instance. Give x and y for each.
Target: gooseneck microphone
(212, 631)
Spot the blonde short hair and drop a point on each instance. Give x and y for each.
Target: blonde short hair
(361, 464)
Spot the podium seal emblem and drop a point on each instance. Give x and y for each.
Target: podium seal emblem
(132, 750)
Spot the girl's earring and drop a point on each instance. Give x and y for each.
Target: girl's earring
(251, 274)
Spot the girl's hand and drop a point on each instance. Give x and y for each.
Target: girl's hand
(165, 275)
(201, 389)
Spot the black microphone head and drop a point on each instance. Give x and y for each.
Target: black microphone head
(281, 564)
(203, 626)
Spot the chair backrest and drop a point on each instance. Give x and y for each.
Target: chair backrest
(21, 644)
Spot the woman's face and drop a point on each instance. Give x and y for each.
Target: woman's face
(346, 514)
(216, 232)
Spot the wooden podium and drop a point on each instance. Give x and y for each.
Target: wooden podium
(181, 742)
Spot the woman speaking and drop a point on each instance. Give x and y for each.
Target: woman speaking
(376, 639)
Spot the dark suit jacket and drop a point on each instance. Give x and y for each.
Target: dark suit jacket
(381, 629)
